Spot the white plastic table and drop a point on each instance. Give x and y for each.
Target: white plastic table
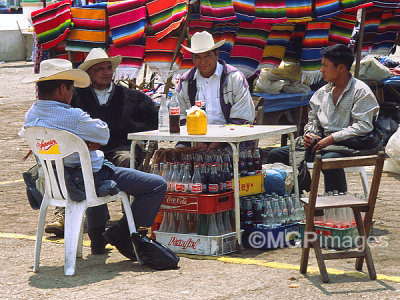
(231, 134)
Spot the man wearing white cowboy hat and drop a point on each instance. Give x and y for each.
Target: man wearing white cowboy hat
(55, 82)
(223, 87)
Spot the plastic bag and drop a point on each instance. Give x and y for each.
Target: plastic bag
(372, 69)
(393, 145)
(265, 83)
(278, 178)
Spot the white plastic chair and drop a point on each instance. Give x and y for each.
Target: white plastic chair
(51, 146)
(360, 170)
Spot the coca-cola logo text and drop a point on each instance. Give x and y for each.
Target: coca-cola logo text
(174, 111)
(183, 244)
(176, 200)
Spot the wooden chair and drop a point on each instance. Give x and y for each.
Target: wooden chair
(315, 202)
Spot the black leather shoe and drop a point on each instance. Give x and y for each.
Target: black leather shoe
(122, 242)
(97, 241)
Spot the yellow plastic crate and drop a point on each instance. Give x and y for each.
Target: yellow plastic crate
(250, 185)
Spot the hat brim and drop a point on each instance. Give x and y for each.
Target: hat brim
(115, 61)
(80, 78)
(216, 45)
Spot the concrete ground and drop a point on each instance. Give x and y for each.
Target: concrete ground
(252, 274)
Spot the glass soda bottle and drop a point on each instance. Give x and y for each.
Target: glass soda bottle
(257, 161)
(156, 170)
(163, 114)
(175, 180)
(174, 115)
(165, 174)
(204, 177)
(249, 163)
(248, 213)
(228, 177)
(242, 163)
(197, 184)
(268, 219)
(221, 179)
(186, 180)
(213, 183)
(200, 100)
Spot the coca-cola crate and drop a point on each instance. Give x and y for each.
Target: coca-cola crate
(198, 203)
(263, 238)
(198, 244)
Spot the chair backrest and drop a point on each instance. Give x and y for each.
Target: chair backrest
(346, 162)
(259, 109)
(51, 146)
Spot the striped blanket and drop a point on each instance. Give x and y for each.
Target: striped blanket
(293, 49)
(310, 61)
(89, 28)
(244, 10)
(166, 15)
(127, 20)
(275, 48)
(326, 8)
(132, 59)
(341, 28)
(387, 4)
(372, 20)
(52, 23)
(355, 4)
(217, 10)
(298, 10)
(249, 45)
(225, 31)
(270, 11)
(386, 35)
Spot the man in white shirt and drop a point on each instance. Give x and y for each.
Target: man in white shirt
(223, 88)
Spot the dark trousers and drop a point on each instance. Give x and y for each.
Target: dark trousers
(333, 179)
(149, 191)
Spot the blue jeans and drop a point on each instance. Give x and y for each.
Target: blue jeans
(149, 191)
(333, 179)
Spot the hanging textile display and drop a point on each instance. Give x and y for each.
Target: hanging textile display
(326, 8)
(293, 49)
(315, 39)
(248, 48)
(275, 48)
(225, 31)
(76, 57)
(89, 29)
(244, 10)
(355, 4)
(372, 20)
(298, 10)
(387, 4)
(341, 28)
(217, 10)
(127, 21)
(132, 59)
(270, 11)
(52, 23)
(166, 15)
(385, 37)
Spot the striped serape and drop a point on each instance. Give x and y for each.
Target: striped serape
(341, 28)
(217, 10)
(52, 23)
(89, 28)
(244, 10)
(326, 8)
(293, 49)
(372, 20)
(278, 40)
(387, 4)
(249, 45)
(298, 10)
(355, 4)
(270, 11)
(127, 20)
(132, 59)
(315, 39)
(225, 31)
(386, 35)
(166, 15)
(76, 57)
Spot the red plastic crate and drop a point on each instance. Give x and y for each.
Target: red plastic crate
(198, 203)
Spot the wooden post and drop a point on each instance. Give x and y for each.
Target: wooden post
(359, 43)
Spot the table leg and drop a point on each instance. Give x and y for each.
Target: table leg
(235, 150)
(133, 147)
(296, 182)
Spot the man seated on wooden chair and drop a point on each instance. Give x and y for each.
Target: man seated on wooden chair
(343, 111)
(56, 82)
(224, 88)
(124, 110)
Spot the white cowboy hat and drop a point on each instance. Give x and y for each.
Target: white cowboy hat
(203, 42)
(98, 55)
(59, 69)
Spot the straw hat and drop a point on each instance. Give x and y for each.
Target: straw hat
(98, 55)
(59, 69)
(203, 42)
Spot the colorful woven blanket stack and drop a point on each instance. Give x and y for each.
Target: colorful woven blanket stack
(386, 35)
(89, 28)
(166, 15)
(52, 23)
(225, 31)
(387, 4)
(293, 49)
(298, 10)
(326, 8)
(249, 45)
(217, 10)
(76, 57)
(310, 61)
(341, 28)
(127, 20)
(244, 10)
(275, 49)
(372, 20)
(355, 4)
(270, 11)
(132, 59)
